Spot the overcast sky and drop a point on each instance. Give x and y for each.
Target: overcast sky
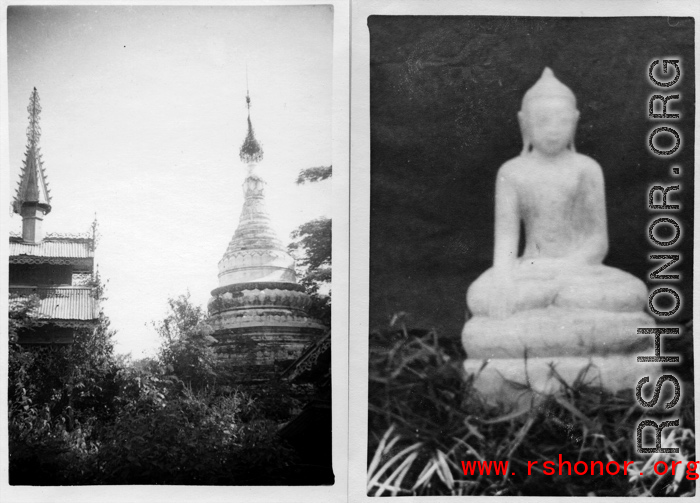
(143, 115)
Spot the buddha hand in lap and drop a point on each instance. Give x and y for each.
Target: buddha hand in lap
(557, 299)
(535, 284)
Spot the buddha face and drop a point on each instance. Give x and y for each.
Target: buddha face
(549, 124)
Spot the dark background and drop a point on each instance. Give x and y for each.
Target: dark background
(445, 92)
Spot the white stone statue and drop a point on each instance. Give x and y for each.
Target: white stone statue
(557, 301)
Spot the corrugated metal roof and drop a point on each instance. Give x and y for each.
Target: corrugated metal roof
(63, 303)
(55, 248)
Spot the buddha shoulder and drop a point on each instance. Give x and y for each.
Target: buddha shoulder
(513, 167)
(587, 166)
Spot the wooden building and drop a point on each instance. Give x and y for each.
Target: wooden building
(57, 268)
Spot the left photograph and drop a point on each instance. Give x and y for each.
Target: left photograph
(170, 245)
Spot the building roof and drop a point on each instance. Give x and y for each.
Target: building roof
(54, 248)
(63, 303)
(314, 362)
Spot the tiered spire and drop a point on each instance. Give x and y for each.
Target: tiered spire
(254, 231)
(32, 186)
(255, 254)
(259, 312)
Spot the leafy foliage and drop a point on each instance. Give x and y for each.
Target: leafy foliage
(186, 344)
(80, 415)
(169, 434)
(317, 174)
(315, 239)
(21, 314)
(56, 394)
(313, 245)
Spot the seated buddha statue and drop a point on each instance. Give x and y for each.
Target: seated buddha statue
(557, 298)
(558, 194)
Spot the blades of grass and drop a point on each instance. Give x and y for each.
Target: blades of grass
(374, 481)
(404, 364)
(571, 408)
(584, 437)
(471, 450)
(379, 452)
(583, 373)
(473, 429)
(521, 436)
(553, 372)
(507, 417)
(453, 463)
(402, 475)
(405, 464)
(483, 366)
(444, 470)
(425, 475)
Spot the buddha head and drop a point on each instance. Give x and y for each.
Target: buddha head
(548, 116)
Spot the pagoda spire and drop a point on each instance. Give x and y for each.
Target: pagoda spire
(33, 198)
(254, 230)
(255, 253)
(259, 312)
(251, 150)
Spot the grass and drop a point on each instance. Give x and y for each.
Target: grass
(425, 419)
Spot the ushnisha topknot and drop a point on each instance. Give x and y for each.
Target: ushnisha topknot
(548, 87)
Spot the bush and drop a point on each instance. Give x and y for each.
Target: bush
(186, 344)
(79, 415)
(55, 396)
(168, 434)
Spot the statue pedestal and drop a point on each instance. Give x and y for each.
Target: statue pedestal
(532, 352)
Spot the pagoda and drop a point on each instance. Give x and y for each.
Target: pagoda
(259, 311)
(57, 268)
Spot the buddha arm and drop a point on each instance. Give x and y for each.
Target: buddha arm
(593, 218)
(507, 231)
(500, 301)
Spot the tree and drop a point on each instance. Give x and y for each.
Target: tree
(21, 314)
(313, 246)
(316, 174)
(79, 377)
(186, 346)
(56, 394)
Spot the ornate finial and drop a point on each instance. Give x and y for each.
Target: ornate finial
(34, 109)
(32, 185)
(548, 87)
(247, 91)
(251, 150)
(94, 233)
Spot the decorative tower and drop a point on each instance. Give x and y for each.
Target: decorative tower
(33, 198)
(58, 269)
(259, 311)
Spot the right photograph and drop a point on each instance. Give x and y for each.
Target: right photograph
(531, 256)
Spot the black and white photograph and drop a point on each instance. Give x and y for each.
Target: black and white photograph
(531, 200)
(337, 250)
(173, 175)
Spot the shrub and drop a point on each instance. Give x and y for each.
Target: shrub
(166, 433)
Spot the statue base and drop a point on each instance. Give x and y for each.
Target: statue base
(538, 352)
(555, 331)
(517, 381)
